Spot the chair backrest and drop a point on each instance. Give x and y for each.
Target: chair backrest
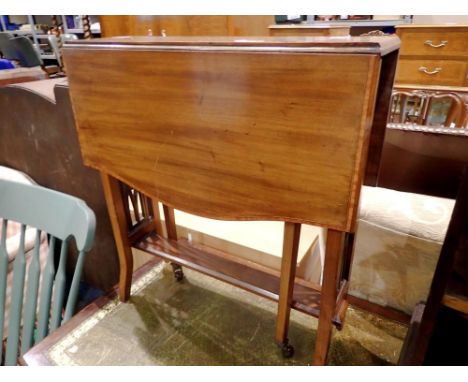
(61, 217)
(26, 54)
(6, 46)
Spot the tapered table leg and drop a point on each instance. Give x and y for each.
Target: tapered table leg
(328, 296)
(156, 217)
(291, 238)
(171, 229)
(116, 209)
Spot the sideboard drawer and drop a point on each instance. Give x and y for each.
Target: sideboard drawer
(433, 42)
(431, 72)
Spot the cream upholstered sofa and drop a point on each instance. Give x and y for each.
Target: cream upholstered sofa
(397, 245)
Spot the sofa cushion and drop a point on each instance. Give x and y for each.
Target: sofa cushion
(417, 215)
(398, 241)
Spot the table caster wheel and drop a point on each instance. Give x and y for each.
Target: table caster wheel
(287, 350)
(178, 272)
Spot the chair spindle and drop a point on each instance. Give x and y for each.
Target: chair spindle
(27, 340)
(19, 272)
(46, 293)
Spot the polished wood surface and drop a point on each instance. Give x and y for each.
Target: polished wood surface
(291, 237)
(379, 124)
(144, 25)
(157, 217)
(235, 154)
(242, 273)
(436, 72)
(27, 77)
(169, 219)
(459, 303)
(249, 25)
(237, 129)
(417, 40)
(115, 207)
(379, 310)
(420, 157)
(308, 30)
(433, 55)
(361, 45)
(134, 25)
(333, 253)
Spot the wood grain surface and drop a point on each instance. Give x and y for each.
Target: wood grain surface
(453, 40)
(337, 44)
(236, 135)
(308, 30)
(214, 25)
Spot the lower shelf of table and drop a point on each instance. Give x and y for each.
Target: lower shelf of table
(242, 273)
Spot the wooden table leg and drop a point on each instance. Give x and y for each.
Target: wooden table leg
(171, 230)
(328, 295)
(348, 253)
(116, 209)
(292, 232)
(157, 217)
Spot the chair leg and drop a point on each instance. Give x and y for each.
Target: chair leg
(115, 206)
(171, 230)
(328, 296)
(291, 238)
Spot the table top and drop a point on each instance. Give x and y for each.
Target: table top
(278, 131)
(309, 26)
(381, 45)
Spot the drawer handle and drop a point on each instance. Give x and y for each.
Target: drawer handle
(442, 43)
(425, 70)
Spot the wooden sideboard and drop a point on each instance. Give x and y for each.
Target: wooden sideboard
(185, 25)
(431, 83)
(206, 125)
(308, 30)
(433, 55)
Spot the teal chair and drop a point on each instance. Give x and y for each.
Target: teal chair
(42, 303)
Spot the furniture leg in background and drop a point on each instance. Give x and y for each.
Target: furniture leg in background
(448, 295)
